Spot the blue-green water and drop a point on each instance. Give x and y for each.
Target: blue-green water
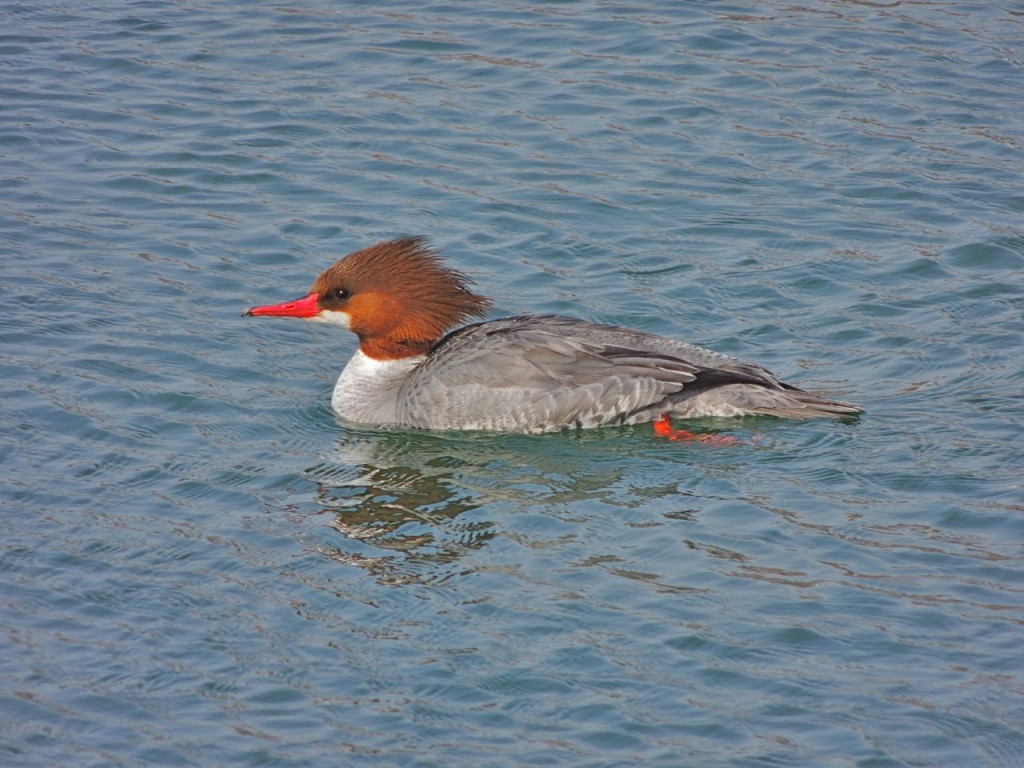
(201, 566)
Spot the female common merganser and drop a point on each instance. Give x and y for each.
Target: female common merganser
(532, 373)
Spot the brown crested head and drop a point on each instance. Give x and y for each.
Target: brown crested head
(399, 297)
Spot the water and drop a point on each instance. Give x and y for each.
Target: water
(201, 566)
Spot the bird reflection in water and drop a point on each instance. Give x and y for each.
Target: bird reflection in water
(398, 502)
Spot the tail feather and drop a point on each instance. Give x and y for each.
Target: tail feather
(799, 404)
(743, 399)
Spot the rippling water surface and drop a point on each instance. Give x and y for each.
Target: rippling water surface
(201, 566)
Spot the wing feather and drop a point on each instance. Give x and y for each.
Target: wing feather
(551, 372)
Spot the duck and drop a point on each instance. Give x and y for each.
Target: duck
(421, 365)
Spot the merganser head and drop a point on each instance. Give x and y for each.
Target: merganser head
(398, 297)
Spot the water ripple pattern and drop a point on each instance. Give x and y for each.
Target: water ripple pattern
(202, 566)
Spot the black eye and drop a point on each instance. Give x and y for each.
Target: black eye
(342, 293)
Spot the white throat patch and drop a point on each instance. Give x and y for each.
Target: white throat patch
(333, 317)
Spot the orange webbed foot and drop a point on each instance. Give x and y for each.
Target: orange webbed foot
(663, 428)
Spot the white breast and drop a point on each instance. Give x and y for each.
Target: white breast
(367, 390)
